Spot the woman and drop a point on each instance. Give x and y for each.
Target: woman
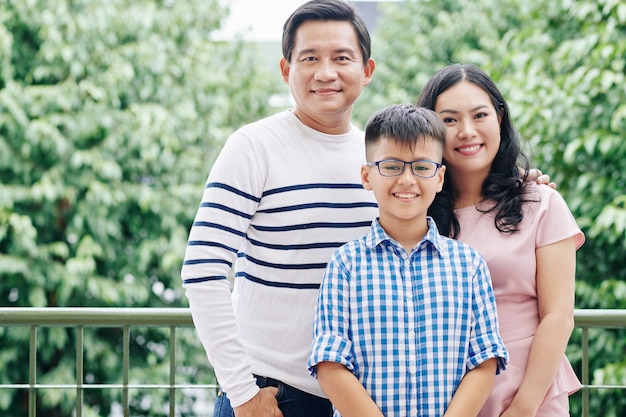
(525, 232)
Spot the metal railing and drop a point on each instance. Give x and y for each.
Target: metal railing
(80, 318)
(174, 318)
(586, 319)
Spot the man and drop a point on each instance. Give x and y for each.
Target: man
(283, 194)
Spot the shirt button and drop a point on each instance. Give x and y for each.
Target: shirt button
(412, 370)
(414, 412)
(412, 334)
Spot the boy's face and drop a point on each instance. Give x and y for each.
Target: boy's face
(403, 200)
(326, 74)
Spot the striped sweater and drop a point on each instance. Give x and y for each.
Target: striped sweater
(280, 198)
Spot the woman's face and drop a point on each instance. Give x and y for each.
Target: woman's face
(472, 129)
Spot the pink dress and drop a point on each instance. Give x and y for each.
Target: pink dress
(512, 264)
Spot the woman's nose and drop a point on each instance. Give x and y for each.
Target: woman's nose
(467, 129)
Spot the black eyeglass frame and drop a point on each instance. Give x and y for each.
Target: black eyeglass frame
(405, 163)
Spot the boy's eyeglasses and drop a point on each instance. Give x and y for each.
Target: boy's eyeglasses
(394, 167)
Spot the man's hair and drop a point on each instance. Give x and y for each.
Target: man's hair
(316, 10)
(406, 124)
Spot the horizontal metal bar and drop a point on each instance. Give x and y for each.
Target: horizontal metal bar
(101, 317)
(109, 386)
(148, 316)
(606, 318)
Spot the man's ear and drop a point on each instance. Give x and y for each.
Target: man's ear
(370, 66)
(284, 70)
(365, 177)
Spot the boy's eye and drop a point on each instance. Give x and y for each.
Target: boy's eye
(391, 166)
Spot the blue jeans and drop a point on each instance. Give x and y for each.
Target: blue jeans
(291, 401)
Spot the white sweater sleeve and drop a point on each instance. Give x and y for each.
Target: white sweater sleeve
(229, 200)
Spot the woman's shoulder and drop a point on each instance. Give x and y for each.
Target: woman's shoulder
(543, 195)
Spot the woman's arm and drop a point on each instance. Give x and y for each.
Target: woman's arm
(473, 391)
(345, 391)
(556, 269)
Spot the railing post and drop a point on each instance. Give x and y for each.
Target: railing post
(585, 371)
(172, 371)
(79, 370)
(126, 367)
(32, 373)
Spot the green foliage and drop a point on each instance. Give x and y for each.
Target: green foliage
(570, 87)
(111, 113)
(416, 38)
(562, 68)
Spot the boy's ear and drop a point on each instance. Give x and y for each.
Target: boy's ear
(365, 177)
(440, 177)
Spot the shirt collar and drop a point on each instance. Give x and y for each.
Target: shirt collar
(378, 236)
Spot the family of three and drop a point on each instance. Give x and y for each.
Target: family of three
(414, 269)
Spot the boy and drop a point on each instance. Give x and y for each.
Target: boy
(406, 321)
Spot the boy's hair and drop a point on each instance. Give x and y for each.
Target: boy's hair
(336, 10)
(405, 124)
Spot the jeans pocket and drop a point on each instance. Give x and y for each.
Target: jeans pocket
(281, 392)
(222, 406)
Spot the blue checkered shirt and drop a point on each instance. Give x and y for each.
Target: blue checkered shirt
(409, 326)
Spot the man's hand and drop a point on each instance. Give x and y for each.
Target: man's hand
(264, 404)
(535, 174)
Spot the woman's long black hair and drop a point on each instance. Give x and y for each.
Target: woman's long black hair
(505, 184)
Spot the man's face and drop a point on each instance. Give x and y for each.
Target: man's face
(326, 74)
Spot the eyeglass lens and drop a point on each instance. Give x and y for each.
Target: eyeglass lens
(391, 168)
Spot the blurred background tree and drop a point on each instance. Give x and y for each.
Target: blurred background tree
(562, 67)
(111, 112)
